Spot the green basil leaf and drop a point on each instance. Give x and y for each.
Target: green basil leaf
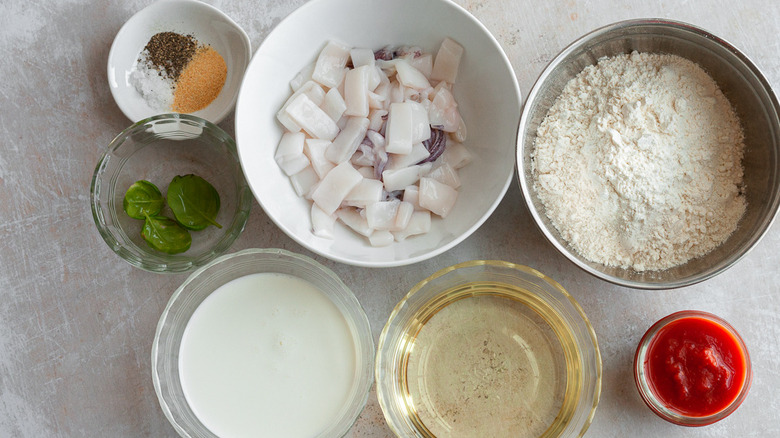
(141, 199)
(166, 235)
(195, 202)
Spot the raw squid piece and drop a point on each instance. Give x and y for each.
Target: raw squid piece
(380, 238)
(410, 77)
(403, 216)
(445, 67)
(437, 197)
(366, 192)
(333, 104)
(399, 129)
(407, 124)
(308, 115)
(445, 174)
(302, 77)
(309, 88)
(419, 223)
(376, 118)
(399, 161)
(348, 140)
(361, 57)
(356, 91)
(331, 65)
(381, 215)
(335, 187)
(304, 181)
(412, 196)
(352, 218)
(315, 148)
(443, 110)
(289, 154)
(421, 126)
(398, 179)
(456, 155)
(423, 63)
(322, 224)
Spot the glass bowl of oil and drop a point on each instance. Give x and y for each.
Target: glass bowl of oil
(488, 348)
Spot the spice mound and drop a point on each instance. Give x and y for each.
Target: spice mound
(639, 162)
(177, 73)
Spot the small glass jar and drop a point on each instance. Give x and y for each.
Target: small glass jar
(673, 356)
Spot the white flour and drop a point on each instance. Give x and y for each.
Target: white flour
(638, 162)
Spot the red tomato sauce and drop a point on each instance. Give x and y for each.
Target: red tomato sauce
(695, 366)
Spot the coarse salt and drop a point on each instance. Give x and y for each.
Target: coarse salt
(154, 87)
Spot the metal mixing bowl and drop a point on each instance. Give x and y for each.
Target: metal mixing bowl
(743, 84)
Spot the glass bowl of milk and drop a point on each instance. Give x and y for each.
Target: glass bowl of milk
(263, 342)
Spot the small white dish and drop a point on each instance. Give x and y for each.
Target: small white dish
(207, 24)
(486, 90)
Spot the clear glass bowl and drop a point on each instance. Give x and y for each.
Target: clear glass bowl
(521, 327)
(157, 149)
(202, 282)
(645, 386)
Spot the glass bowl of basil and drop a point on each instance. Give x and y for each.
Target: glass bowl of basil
(169, 195)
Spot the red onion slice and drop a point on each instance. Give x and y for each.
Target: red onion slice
(435, 145)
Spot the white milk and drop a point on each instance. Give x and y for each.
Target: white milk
(267, 355)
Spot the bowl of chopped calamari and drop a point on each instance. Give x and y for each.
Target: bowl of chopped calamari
(378, 137)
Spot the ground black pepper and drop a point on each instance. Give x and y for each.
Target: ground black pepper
(170, 52)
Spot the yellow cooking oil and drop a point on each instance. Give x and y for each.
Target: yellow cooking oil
(488, 359)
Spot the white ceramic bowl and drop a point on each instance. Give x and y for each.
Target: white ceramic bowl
(487, 93)
(206, 23)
